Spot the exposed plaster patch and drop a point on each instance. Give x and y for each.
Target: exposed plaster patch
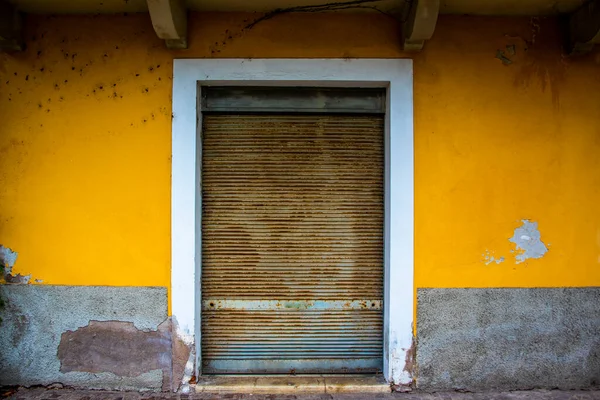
(527, 239)
(8, 258)
(410, 366)
(18, 278)
(113, 346)
(122, 349)
(489, 258)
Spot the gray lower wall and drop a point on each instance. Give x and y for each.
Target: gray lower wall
(473, 339)
(480, 339)
(37, 317)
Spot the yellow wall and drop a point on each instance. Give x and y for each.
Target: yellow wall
(85, 137)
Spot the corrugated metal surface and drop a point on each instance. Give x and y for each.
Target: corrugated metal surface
(292, 243)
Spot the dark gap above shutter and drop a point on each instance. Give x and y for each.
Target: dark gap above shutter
(250, 99)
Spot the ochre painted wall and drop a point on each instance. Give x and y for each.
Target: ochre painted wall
(85, 139)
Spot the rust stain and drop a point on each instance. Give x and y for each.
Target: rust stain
(409, 360)
(543, 61)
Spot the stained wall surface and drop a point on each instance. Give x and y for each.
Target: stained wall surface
(507, 173)
(85, 141)
(510, 338)
(39, 325)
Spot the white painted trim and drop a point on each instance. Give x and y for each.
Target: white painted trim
(395, 74)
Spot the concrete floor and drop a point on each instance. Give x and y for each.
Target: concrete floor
(299, 384)
(311, 387)
(63, 394)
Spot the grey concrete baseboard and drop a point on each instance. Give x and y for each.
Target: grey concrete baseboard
(490, 339)
(38, 317)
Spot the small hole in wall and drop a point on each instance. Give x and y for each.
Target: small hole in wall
(212, 304)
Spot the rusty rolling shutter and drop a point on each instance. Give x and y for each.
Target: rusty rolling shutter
(292, 243)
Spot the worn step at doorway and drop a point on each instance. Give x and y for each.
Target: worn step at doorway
(299, 384)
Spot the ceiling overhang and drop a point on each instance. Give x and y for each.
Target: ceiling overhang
(169, 19)
(584, 28)
(419, 17)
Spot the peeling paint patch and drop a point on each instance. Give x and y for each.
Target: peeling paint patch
(489, 258)
(409, 360)
(527, 239)
(8, 258)
(18, 278)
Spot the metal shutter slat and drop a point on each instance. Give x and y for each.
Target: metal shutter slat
(292, 243)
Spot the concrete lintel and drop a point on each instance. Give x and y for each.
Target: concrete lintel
(11, 32)
(420, 24)
(169, 19)
(584, 28)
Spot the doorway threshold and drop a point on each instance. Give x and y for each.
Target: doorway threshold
(291, 384)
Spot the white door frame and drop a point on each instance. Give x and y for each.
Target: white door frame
(186, 195)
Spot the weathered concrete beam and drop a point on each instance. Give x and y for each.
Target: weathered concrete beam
(420, 23)
(169, 19)
(584, 28)
(11, 34)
